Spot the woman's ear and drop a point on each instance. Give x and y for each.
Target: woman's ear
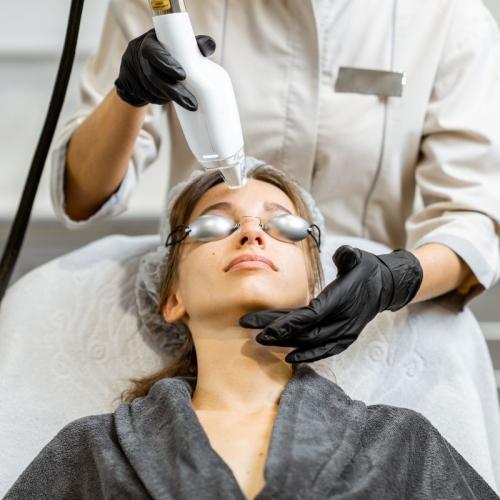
(173, 309)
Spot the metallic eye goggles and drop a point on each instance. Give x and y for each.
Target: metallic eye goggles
(288, 228)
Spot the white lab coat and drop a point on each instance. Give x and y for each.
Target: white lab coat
(362, 157)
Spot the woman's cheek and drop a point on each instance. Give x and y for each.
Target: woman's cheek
(303, 277)
(205, 266)
(292, 274)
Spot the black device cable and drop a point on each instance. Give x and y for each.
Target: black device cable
(18, 230)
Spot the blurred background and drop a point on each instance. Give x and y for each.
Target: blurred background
(30, 47)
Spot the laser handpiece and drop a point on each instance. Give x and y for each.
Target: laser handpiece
(213, 132)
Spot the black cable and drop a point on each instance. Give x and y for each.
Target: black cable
(21, 221)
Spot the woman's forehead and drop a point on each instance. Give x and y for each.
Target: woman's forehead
(257, 195)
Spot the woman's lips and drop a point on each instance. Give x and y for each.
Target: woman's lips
(250, 264)
(251, 261)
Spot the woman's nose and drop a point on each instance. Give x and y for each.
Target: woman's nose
(250, 231)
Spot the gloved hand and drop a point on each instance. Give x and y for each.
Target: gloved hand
(149, 74)
(366, 284)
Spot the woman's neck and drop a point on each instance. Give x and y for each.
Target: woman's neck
(236, 373)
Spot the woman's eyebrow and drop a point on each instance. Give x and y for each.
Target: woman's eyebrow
(269, 206)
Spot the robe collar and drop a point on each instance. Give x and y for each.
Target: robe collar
(316, 434)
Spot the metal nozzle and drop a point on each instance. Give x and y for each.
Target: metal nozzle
(233, 169)
(161, 7)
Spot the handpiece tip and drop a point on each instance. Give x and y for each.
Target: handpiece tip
(232, 169)
(235, 175)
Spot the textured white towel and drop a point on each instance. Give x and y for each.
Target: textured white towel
(69, 342)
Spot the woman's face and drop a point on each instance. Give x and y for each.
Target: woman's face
(209, 287)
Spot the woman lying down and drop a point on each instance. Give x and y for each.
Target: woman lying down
(231, 418)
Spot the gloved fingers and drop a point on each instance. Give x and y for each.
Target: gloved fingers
(322, 310)
(295, 322)
(316, 353)
(182, 96)
(158, 92)
(206, 44)
(343, 332)
(151, 82)
(320, 335)
(302, 341)
(160, 58)
(156, 87)
(261, 319)
(137, 94)
(309, 338)
(346, 258)
(167, 68)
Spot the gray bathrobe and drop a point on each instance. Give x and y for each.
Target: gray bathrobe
(323, 445)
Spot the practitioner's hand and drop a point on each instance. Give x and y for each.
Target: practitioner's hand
(149, 74)
(366, 284)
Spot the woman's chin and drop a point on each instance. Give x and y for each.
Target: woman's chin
(266, 299)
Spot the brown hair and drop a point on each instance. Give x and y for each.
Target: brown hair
(185, 364)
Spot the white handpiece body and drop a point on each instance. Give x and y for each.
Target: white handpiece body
(213, 132)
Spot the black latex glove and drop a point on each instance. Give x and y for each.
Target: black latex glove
(149, 74)
(366, 284)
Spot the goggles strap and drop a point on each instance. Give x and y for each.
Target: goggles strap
(317, 239)
(170, 240)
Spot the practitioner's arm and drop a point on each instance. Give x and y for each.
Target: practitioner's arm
(100, 150)
(443, 271)
(98, 155)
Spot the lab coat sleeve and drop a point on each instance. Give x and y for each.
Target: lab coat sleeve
(458, 174)
(122, 24)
